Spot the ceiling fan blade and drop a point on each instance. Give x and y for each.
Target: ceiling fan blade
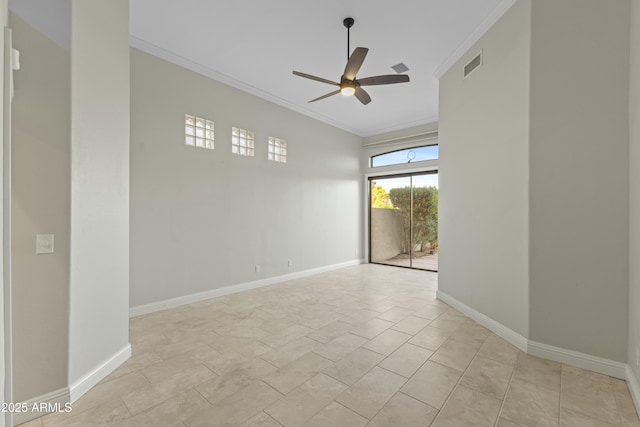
(355, 62)
(384, 80)
(362, 96)
(326, 96)
(318, 79)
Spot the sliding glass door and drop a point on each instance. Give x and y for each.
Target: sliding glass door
(403, 221)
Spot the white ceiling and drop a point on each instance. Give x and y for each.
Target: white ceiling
(255, 44)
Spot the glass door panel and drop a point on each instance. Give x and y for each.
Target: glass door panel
(403, 225)
(389, 232)
(424, 222)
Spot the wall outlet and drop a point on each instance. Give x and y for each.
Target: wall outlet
(356, 252)
(257, 269)
(289, 263)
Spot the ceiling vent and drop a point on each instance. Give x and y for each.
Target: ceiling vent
(400, 68)
(472, 65)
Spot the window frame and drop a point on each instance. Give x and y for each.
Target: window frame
(237, 139)
(207, 135)
(371, 166)
(273, 144)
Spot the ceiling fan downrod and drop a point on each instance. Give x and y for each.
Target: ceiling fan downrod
(348, 22)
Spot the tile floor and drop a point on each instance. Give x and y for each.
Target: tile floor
(362, 346)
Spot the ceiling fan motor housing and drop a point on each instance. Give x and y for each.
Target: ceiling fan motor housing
(348, 83)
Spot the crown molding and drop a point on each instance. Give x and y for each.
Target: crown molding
(183, 62)
(472, 38)
(403, 126)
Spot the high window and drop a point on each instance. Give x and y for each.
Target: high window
(242, 142)
(407, 155)
(198, 132)
(277, 150)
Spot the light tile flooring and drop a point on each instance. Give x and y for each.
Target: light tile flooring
(362, 346)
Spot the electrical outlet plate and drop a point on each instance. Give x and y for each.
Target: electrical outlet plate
(289, 263)
(44, 244)
(257, 269)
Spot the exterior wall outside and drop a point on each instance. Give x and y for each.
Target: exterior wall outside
(387, 230)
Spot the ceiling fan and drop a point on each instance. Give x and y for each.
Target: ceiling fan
(349, 85)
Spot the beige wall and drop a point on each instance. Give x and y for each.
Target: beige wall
(71, 179)
(579, 176)
(634, 191)
(203, 219)
(546, 130)
(99, 284)
(5, 349)
(483, 200)
(40, 198)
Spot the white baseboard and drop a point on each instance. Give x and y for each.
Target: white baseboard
(90, 379)
(579, 360)
(497, 328)
(634, 388)
(57, 398)
(227, 290)
(557, 354)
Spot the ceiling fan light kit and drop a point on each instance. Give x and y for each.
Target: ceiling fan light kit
(347, 89)
(349, 85)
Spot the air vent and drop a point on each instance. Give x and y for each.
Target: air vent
(472, 65)
(400, 68)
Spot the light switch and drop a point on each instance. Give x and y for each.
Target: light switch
(44, 243)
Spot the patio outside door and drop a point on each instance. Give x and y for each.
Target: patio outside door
(403, 221)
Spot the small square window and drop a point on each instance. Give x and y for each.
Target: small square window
(242, 142)
(198, 132)
(277, 150)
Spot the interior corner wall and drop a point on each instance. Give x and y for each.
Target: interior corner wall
(203, 219)
(483, 206)
(40, 205)
(579, 176)
(634, 192)
(99, 286)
